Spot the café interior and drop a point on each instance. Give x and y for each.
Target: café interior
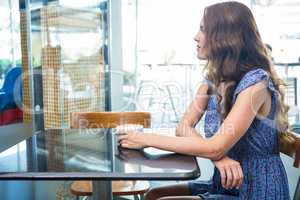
(119, 61)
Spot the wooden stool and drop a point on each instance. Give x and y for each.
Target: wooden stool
(119, 188)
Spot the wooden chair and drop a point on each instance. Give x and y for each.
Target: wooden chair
(289, 144)
(110, 120)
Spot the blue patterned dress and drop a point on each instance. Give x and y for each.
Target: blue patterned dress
(257, 151)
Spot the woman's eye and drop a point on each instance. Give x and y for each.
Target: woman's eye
(202, 28)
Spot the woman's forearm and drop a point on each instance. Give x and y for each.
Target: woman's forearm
(196, 146)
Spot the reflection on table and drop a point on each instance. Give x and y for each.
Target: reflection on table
(90, 154)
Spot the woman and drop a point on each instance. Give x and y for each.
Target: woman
(245, 114)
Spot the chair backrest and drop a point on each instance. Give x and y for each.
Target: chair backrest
(10, 78)
(11, 91)
(289, 144)
(108, 119)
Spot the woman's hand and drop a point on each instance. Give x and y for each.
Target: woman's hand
(231, 173)
(131, 156)
(132, 140)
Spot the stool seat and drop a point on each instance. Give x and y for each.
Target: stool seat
(119, 188)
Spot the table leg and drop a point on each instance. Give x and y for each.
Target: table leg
(102, 190)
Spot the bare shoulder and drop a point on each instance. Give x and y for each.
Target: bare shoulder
(257, 97)
(256, 90)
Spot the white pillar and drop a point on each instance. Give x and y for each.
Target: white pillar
(115, 54)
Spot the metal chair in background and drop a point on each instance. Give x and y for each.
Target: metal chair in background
(291, 90)
(165, 99)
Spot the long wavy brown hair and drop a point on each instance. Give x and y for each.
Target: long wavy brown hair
(234, 47)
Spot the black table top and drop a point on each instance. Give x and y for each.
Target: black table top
(89, 154)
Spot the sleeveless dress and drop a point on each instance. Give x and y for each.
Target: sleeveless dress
(257, 152)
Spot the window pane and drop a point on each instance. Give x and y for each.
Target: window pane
(68, 40)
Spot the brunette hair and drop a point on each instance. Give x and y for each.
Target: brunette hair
(234, 47)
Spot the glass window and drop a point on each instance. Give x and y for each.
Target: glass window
(10, 50)
(68, 54)
(282, 33)
(161, 72)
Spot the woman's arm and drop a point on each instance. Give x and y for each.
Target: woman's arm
(194, 113)
(232, 129)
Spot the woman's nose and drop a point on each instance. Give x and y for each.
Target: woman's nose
(196, 38)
